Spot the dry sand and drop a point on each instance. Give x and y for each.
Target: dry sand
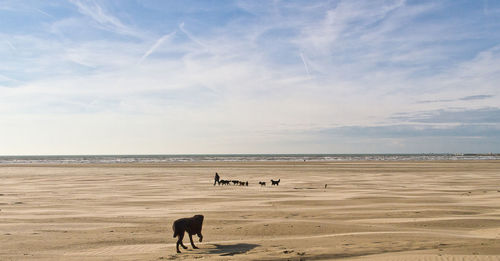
(369, 211)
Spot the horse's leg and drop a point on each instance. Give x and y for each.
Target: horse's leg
(191, 239)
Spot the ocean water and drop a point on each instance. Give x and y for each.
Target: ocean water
(103, 159)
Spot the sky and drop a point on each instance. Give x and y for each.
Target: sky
(194, 77)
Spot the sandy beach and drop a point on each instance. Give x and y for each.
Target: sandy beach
(437, 210)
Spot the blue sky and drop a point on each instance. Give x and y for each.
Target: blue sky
(167, 77)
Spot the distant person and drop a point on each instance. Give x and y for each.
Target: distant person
(216, 179)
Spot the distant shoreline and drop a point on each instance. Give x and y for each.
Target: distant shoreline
(200, 158)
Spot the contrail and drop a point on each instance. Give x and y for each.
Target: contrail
(156, 45)
(10, 45)
(190, 36)
(43, 12)
(8, 79)
(305, 64)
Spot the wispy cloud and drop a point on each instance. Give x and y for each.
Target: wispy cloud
(412, 131)
(103, 19)
(466, 98)
(476, 97)
(457, 116)
(436, 101)
(155, 46)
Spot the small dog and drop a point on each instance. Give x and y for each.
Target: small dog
(191, 225)
(262, 183)
(275, 182)
(235, 182)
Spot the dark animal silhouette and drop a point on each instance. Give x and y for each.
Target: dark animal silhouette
(246, 183)
(235, 182)
(224, 182)
(217, 179)
(190, 225)
(275, 182)
(262, 183)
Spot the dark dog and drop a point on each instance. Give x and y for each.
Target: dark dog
(275, 182)
(235, 182)
(262, 183)
(191, 225)
(224, 182)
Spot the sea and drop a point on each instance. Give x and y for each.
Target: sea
(117, 159)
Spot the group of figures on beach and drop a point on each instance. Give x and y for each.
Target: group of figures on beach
(219, 181)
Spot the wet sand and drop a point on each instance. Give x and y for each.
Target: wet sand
(369, 211)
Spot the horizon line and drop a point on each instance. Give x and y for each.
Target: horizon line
(249, 154)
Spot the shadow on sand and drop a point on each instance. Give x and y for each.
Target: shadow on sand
(230, 250)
